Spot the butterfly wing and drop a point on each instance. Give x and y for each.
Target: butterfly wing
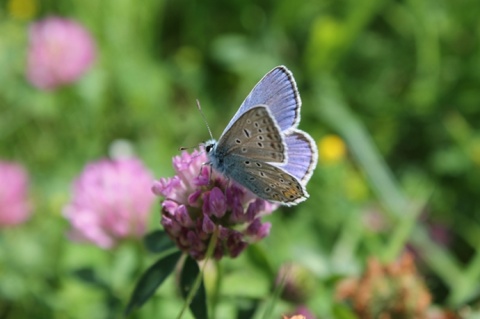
(302, 155)
(255, 134)
(261, 148)
(278, 90)
(267, 181)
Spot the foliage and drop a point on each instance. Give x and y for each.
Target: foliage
(397, 81)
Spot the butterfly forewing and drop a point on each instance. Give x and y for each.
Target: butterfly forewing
(267, 181)
(278, 90)
(254, 135)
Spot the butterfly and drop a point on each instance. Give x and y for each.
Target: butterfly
(261, 148)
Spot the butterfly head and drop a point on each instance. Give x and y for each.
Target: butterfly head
(210, 146)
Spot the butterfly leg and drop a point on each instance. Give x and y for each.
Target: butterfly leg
(211, 171)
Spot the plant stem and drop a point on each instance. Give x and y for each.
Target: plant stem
(198, 280)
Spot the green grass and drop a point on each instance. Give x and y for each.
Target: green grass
(397, 80)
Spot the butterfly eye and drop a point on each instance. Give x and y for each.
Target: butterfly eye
(208, 148)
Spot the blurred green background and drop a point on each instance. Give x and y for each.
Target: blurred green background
(396, 80)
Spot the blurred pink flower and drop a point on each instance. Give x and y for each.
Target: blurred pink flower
(60, 51)
(374, 220)
(304, 311)
(196, 203)
(296, 282)
(14, 205)
(111, 201)
(440, 233)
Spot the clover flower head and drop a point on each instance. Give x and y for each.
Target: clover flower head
(393, 290)
(110, 202)
(14, 205)
(198, 201)
(60, 51)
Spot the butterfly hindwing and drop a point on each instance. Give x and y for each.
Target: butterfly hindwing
(267, 181)
(302, 155)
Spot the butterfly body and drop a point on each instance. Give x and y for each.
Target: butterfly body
(261, 148)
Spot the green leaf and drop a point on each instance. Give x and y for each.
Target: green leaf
(158, 241)
(88, 276)
(151, 280)
(190, 271)
(259, 257)
(343, 312)
(247, 307)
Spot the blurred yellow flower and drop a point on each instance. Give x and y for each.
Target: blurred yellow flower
(22, 9)
(331, 149)
(326, 37)
(475, 151)
(326, 30)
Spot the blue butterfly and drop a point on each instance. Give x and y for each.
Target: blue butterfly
(261, 148)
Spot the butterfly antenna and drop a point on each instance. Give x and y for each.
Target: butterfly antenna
(204, 119)
(184, 148)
